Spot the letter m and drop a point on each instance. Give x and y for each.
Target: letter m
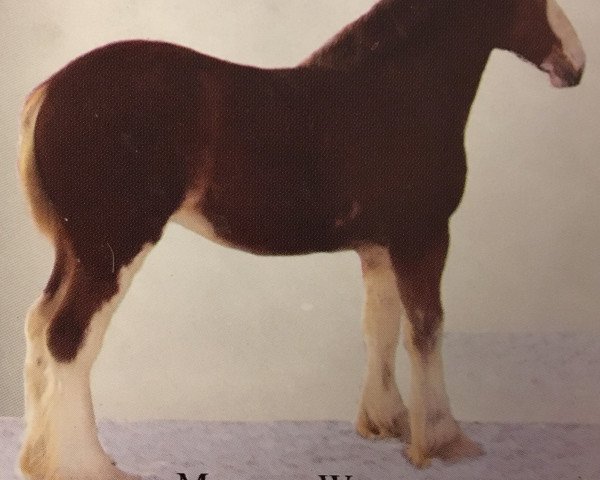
(334, 477)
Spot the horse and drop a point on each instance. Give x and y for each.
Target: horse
(359, 147)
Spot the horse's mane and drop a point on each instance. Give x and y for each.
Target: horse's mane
(385, 26)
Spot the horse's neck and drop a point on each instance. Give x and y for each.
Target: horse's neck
(372, 37)
(437, 52)
(447, 39)
(465, 37)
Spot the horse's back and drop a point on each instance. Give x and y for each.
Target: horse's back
(130, 131)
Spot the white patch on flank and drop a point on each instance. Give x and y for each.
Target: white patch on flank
(563, 29)
(61, 440)
(188, 215)
(382, 412)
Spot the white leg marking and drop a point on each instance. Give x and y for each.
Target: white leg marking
(563, 29)
(37, 358)
(382, 412)
(434, 431)
(61, 439)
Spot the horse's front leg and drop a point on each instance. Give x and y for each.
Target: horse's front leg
(434, 431)
(382, 412)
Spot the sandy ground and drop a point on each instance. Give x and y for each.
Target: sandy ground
(304, 450)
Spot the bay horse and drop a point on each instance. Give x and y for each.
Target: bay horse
(360, 147)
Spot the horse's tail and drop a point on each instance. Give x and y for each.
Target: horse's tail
(41, 207)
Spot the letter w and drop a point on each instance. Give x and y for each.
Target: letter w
(334, 477)
(201, 477)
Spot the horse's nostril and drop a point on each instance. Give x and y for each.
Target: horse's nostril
(573, 77)
(577, 77)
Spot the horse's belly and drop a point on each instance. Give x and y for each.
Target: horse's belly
(263, 231)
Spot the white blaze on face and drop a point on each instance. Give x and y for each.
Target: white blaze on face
(560, 24)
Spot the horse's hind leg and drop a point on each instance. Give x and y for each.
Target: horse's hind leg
(65, 328)
(381, 412)
(434, 431)
(37, 358)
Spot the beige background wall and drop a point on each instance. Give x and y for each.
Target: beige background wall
(216, 334)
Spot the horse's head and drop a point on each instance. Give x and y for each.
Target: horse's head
(542, 34)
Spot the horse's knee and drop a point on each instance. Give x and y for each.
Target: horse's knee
(425, 327)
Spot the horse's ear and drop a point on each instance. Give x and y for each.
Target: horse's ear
(411, 15)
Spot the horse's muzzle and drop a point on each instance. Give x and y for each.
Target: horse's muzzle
(561, 69)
